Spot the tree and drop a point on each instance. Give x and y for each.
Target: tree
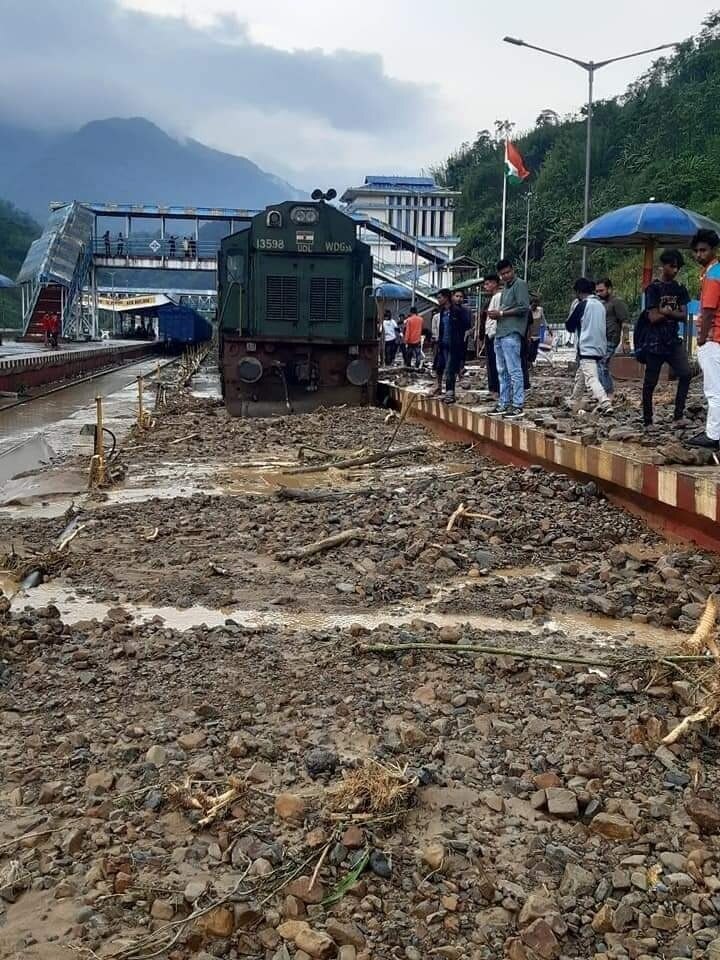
(547, 118)
(660, 138)
(17, 231)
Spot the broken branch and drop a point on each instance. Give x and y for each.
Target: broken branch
(360, 461)
(684, 725)
(317, 496)
(454, 517)
(525, 654)
(405, 411)
(336, 540)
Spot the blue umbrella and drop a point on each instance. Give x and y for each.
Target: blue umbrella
(644, 225)
(641, 224)
(6, 282)
(392, 291)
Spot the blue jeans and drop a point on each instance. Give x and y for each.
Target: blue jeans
(413, 351)
(604, 369)
(510, 372)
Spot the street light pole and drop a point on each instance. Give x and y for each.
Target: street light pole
(416, 214)
(588, 159)
(590, 66)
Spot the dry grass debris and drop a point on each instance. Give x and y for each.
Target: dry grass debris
(47, 563)
(374, 791)
(191, 796)
(14, 878)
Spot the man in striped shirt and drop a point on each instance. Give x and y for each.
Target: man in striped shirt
(704, 246)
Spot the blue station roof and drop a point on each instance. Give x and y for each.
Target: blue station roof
(398, 182)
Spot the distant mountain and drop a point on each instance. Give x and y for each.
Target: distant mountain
(118, 160)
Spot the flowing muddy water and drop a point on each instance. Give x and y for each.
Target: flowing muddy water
(59, 416)
(598, 629)
(206, 383)
(50, 493)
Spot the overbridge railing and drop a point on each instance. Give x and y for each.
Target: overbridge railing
(149, 248)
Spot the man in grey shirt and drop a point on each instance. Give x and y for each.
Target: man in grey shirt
(512, 324)
(617, 318)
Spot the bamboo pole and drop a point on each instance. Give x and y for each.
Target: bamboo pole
(97, 463)
(608, 663)
(141, 412)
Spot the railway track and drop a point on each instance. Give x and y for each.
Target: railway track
(35, 429)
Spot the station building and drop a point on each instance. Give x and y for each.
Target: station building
(416, 206)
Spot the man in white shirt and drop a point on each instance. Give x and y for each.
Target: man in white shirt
(390, 333)
(491, 287)
(587, 320)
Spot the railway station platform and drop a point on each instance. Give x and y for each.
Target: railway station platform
(26, 366)
(678, 501)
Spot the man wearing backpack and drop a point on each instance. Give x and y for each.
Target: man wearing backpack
(666, 303)
(587, 320)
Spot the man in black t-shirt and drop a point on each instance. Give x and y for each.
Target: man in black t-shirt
(666, 303)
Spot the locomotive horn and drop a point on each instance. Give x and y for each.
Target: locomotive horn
(317, 194)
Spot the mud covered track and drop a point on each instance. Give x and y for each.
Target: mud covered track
(183, 648)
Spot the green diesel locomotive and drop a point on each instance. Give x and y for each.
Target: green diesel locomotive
(296, 313)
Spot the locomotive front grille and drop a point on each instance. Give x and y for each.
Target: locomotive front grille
(281, 298)
(326, 299)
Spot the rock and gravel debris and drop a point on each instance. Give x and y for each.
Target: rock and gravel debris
(176, 793)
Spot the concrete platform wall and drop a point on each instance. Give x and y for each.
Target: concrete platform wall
(35, 370)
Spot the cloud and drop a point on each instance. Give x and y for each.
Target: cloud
(65, 62)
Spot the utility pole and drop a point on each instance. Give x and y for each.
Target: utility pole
(589, 66)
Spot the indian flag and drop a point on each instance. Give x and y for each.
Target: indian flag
(515, 169)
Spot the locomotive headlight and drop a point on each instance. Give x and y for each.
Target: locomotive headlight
(304, 215)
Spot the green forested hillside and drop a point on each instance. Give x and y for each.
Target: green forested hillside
(660, 139)
(17, 231)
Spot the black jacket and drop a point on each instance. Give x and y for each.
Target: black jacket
(460, 323)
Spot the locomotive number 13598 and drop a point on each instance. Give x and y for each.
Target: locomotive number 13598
(270, 243)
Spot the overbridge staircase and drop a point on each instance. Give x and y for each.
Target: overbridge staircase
(49, 300)
(54, 272)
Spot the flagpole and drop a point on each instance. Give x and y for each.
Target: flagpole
(504, 203)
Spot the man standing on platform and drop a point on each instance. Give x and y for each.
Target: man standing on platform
(512, 325)
(450, 352)
(491, 287)
(413, 338)
(617, 318)
(587, 320)
(390, 330)
(666, 303)
(704, 245)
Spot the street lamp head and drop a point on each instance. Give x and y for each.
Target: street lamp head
(514, 40)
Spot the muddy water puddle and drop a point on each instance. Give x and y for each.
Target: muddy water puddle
(206, 383)
(262, 479)
(59, 416)
(599, 630)
(49, 493)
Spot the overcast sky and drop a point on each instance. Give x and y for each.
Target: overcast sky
(314, 90)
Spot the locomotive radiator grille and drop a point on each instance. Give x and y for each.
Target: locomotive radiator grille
(281, 297)
(326, 299)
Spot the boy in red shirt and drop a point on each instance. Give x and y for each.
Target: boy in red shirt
(413, 339)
